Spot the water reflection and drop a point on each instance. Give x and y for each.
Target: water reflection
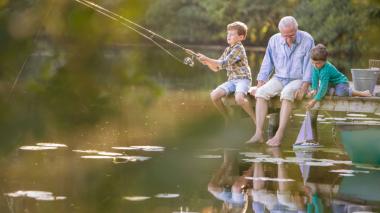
(275, 185)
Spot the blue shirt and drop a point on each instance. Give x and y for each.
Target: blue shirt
(288, 63)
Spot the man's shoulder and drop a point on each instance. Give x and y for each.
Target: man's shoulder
(306, 35)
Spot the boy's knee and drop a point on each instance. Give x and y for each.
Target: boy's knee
(240, 99)
(215, 95)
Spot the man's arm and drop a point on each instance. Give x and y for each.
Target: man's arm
(306, 73)
(266, 66)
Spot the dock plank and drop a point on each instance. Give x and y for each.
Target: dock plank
(336, 104)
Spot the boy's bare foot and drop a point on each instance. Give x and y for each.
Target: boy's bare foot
(255, 139)
(275, 141)
(366, 93)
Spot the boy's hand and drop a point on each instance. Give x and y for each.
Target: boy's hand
(311, 93)
(201, 58)
(310, 104)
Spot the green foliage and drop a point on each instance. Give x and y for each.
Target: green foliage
(205, 21)
(337, 24)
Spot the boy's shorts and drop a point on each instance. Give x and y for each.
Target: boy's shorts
(342, 90)
(239, 85)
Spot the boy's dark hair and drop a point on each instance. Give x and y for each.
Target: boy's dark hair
(240, 27)
(319, 53)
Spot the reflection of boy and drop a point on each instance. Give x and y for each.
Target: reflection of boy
(226, 185)
(325, 74)
(234, 60)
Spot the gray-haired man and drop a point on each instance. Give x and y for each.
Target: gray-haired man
(288, 55)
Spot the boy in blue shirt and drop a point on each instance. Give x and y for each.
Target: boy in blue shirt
(324, 75)
(234, 60)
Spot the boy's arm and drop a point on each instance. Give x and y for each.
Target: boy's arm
(211, 63)
(232, 57)
(314, 80)
(323, 87)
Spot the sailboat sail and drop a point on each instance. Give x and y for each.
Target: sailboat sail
(306, 131)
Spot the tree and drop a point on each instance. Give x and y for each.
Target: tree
(336, 24)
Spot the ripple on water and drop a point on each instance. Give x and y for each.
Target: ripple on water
(270, 179)
(166, 195)
(209, 156)
(52, 145)
(37, 195)
(37, 148)
(136, 198)
(356, 115)
(143, 148)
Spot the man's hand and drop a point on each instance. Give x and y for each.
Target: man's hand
(252, 90)
(260, 83)
(310, 104)
(300, 93)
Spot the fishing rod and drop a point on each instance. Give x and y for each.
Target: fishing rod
(138, 29)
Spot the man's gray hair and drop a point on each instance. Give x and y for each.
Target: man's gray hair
(287, 22)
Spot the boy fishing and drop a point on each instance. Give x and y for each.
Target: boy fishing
(234, 61)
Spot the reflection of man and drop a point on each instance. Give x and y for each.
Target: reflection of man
(288, 53)
(281, 201)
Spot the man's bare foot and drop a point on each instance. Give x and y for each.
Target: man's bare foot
(255, 139)
(274, 151)
(275, 141)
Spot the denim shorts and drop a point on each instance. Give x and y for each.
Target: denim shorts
(342, 89)
(238, 85)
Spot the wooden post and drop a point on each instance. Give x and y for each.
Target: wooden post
(273, 124)
(314, 124)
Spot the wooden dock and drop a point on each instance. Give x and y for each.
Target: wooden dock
(333, 104)
(336, 104)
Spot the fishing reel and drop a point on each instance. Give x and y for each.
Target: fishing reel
(189, 61)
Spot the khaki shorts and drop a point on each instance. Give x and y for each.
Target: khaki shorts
(274, 87)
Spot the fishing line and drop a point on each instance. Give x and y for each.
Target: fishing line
(127, 23)
(39, 31)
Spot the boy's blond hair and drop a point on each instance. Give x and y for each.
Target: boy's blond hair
(319, 53)
(240, 27)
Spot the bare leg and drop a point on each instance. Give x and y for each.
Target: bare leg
(246, 104)
(261, 113)
(258, 172)
(365, 93)
(286, 109)
(216, 97)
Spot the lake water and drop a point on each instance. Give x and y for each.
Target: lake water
(145, 138)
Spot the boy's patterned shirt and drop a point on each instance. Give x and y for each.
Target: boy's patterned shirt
(234, 60)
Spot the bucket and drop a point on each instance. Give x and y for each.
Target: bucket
(365, 79)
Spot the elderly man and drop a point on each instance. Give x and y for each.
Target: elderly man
(288, 53)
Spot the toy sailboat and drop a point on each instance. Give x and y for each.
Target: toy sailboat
(306, 137)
